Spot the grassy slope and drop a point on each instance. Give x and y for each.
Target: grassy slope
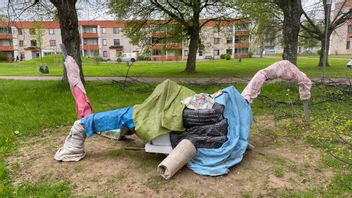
(216, 68)
(29, 107)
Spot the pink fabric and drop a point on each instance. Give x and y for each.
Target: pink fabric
(73, 73)
(83, 107)
(284, 70)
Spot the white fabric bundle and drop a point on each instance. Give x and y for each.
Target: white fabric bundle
(73, 148)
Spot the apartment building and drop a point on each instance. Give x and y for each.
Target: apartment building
(27, 40)
(341, 38)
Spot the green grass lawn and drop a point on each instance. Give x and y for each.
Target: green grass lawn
(27, 107)
(216, 68)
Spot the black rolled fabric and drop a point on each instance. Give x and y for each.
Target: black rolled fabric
(206, 136)
(202, 117)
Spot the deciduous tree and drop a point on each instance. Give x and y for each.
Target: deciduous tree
(186, 13)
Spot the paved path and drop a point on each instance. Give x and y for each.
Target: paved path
(224, 80)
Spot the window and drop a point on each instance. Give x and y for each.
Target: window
(19, 31)
(5, 30)
(21, 43)
(200, 53)
(32, 31)
(230, 28)
(33, 43)
(51, 31)
(52, 42)
(116, 42)
(349, 28)
(216, 29)
(216, 52)
(103, 30)
(105, 54)
(348, 45)
(116, 30)
(185, 53)
(216, 40)
(241, 51)
(229, 51)
(104, 42)
(156, 52)
(229, 40)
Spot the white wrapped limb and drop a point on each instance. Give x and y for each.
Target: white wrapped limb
(73, 148)
(284, 70)
(178, 157)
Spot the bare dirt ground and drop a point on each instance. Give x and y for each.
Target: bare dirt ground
(111, 170)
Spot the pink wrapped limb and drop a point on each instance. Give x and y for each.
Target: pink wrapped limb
(284, 70)
(83, 106)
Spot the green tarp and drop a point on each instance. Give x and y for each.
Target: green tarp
(161, 112)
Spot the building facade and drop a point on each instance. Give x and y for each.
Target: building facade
(341, 38)
(27, 40)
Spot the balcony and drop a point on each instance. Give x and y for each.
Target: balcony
(89, 35)
(241, 32)
(160, 34)
(117, 47)
(5, 36)
(167, 46)
(90, 47)
(32, 48)
(6, 48)
(242, 45)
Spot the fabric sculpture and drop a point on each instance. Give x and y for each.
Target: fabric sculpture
(221, 137)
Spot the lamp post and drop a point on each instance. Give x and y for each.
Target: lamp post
(327, 21)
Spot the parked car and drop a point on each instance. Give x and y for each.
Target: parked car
(129, 57)
(269, 51)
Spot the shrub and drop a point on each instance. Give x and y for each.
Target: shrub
(143, 58)
(222, 56)
(3, 57)
(228, 57)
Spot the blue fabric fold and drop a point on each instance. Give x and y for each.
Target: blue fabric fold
(108, 120)
(215, 162)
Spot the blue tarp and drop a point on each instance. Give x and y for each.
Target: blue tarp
(108, 120)
(217, 161)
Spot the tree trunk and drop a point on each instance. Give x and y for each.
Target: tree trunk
(261, 53)
(292, 10)
(322, 50)
(69, 31)
(192, 51)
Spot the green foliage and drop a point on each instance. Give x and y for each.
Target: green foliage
(332, 132)
(265, 16)
(225, 56)
(3, 56)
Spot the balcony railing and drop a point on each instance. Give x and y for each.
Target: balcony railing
(6, 48)
(241, 32)
(90, 47)
(5, 36)
(167, 46)
(242, 45)
(89, 35)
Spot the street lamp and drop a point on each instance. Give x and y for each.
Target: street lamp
(327, 21)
